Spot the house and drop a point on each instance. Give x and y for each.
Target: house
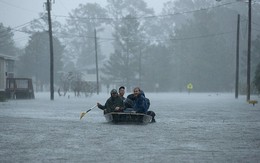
(6, 70)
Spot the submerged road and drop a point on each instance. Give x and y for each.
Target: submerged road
(204, 127)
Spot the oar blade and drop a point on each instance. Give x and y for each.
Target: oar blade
(82, 115)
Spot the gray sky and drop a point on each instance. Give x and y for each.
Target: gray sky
(14, 13)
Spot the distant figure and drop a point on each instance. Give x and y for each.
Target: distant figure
(113, 104)
(189, 87)
(59, 92)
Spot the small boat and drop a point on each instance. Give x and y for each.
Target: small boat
(128, 118)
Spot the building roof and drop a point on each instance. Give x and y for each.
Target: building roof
(7, 57)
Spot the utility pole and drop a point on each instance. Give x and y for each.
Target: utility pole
(237, 57)
(249, 50)
(51, 50)
(95, 32)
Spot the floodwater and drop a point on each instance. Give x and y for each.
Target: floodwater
(196, 127)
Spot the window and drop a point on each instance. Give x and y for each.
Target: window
(21, 84)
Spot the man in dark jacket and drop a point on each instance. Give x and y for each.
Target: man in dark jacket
(139, 102)
(113, 104)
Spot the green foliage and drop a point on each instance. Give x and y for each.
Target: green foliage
(79, 33)
(124, 64)
(255, 55)
(36, 59)
(6, 41)
(185, 44)
(157, 69)
(257, 78)
(199, 54)
(41, 24)
(121, 8)
(255, 62)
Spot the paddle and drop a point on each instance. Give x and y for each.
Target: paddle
(83, 113)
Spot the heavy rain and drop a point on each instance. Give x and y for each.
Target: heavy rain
(195, 65)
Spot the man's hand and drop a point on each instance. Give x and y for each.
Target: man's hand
(100, 106)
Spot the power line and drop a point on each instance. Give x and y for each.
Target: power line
(170, 39)
(19, 26)
(202, 36)
(151, 16)
(113, 39)
(141, 17)
(16, 29)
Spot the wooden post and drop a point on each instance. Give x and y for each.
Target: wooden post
(51, 51)
(237, 57)
(249, 50)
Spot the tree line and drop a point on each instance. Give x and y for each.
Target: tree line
(187, 42)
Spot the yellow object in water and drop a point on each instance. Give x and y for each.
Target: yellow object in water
(189, 86)
(252, 102)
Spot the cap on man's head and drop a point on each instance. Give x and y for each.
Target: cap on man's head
(113, 91)
(122, 87)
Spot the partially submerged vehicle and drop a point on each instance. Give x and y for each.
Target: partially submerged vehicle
(128, 118)
(19, 88)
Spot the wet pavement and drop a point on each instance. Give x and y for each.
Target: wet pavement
(200, 127)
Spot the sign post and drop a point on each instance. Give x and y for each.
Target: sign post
(189, 87)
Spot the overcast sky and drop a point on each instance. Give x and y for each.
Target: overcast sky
(14, 13)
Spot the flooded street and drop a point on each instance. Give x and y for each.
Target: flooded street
(205, 127)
